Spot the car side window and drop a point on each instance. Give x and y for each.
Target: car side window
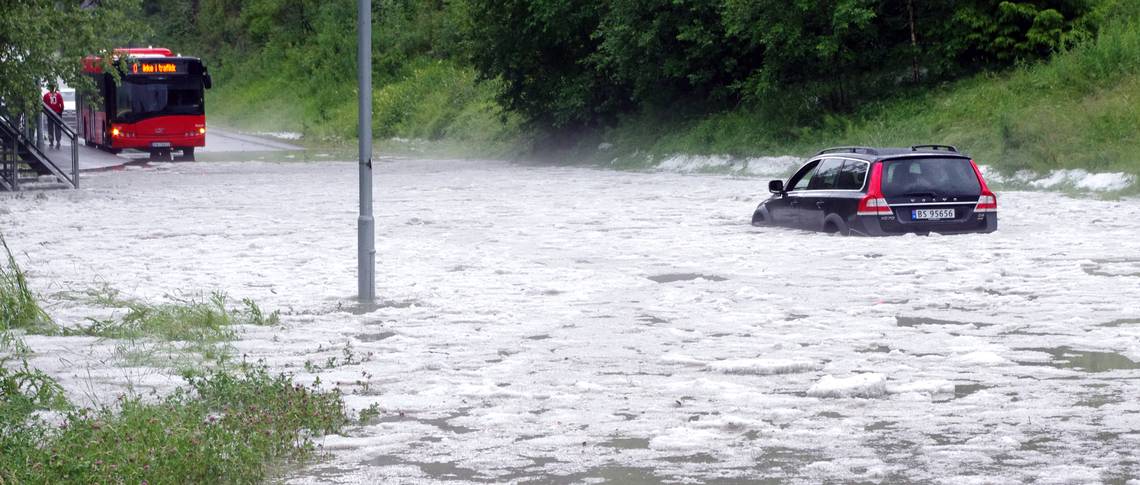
(827, 175)
(800, 180)
(851, 175)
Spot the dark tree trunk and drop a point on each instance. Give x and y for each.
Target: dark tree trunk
(913, 41)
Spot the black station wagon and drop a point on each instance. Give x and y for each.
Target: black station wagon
(883, 191)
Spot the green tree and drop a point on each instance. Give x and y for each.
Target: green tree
(540, 50)
(44, 40)
(671, 51)
(820, 51)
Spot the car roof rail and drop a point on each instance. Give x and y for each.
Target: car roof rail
(949, 148)
(866, 150)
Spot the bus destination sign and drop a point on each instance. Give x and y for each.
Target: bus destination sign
(145, 68)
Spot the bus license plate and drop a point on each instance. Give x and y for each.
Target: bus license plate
(932, 214)
(160, 144)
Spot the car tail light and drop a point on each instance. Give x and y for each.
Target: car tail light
(874, 204)
(987, 202)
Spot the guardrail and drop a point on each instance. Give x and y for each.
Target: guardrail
(23, 146)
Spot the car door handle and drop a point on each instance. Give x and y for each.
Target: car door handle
(793, 203)
(819, 204)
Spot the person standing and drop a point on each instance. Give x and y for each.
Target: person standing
(54, 101)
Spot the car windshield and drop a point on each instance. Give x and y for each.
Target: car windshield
(928, 177)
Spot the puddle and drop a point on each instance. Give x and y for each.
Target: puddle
(674, 277)
(963, 390)
(697, 458)
(438, 470)
(878, 426)
(616, 474)
(375, 337)
(627, 443)
(904, 321)
(441, 423)
(1083, 360)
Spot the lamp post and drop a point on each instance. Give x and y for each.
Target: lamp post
(365, 224)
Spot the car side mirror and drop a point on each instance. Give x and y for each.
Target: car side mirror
(776, 186)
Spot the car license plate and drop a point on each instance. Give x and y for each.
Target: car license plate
(932, 214)
(160, 144)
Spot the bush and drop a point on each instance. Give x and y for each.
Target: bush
(227, 427)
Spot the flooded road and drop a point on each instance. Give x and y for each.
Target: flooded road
(570, 325)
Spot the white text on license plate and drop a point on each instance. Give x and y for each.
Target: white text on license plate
(932, 214)
(160, 144)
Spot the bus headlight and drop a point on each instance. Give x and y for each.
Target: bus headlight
(115, 132)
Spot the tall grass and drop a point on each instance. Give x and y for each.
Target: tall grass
(19, 308)
(192, 319)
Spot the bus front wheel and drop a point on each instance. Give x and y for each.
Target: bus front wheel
(187, 154)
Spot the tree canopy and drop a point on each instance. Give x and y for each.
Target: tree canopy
(45, 40)
(566, 65)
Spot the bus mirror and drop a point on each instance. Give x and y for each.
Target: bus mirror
(207, 82)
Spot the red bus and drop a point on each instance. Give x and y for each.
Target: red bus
(158, 106)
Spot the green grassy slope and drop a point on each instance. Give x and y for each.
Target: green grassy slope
(432, 102)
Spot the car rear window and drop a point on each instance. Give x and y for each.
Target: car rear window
(929, 177)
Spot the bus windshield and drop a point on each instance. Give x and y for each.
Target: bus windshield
(136, 100)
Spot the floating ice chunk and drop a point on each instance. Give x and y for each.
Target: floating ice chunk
(775, 166)
(982, 357)
(683, 360)
(859, 385)
(763, 366)
(1068, 474)
(588, 386)
(686, 439)
(771, 165)
(733, 424)
(694, 163)
(932, 386)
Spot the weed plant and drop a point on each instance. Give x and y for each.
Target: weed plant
(225, 427)
(183, 319)
(19, 308)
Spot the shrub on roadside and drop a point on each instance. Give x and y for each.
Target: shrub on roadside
(226, 427)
